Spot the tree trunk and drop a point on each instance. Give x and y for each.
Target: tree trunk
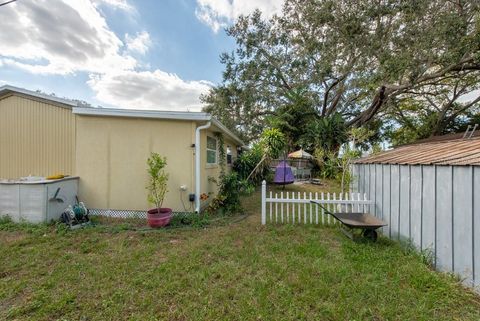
(440, 124)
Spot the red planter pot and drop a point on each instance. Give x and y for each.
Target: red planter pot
(158, 218)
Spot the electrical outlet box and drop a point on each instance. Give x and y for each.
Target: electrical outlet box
(191, 197)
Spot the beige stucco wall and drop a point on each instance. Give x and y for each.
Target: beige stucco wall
(112, 154)
(36, 137)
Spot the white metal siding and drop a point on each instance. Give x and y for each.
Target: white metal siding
(33, 206)
(37, 202)
(10, 201)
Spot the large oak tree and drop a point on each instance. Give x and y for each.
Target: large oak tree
(354, 58)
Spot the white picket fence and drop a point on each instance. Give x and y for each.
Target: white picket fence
(294, 208)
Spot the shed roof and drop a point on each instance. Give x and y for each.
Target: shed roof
(7, 89)
(449, 150)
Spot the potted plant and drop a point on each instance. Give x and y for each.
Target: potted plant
(157, 188)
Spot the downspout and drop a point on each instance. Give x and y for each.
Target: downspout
(197, 164)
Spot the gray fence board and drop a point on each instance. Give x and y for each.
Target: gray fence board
(366, 181)
(404, 216)
(416, 204)
(378, 191)
(355, 179)
(387, 199)
(395, 202)
(476, 226)
(462, 222)
(428, 208)
(361, 182)
(444, 250)
(373, 189)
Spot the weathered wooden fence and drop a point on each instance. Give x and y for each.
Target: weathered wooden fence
(294, 208)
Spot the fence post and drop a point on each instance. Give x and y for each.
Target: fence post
(264, 202)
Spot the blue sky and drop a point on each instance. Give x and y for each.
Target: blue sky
(141, 54)
(181, 43)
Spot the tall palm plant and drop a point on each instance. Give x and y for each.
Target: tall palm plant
(272, 144)
(328, 133)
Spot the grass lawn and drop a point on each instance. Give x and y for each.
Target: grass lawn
(232, 270)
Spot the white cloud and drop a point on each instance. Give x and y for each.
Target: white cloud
(218, 14)
(71, 36)
(148, 90)
(139, 43)
(59, 37)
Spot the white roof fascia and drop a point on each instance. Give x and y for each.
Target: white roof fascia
(12, 89)
(156, 114)
(135, 113)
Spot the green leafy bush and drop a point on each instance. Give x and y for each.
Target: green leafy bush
(231, 187)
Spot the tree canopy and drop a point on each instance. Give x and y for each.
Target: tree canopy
(362, 61)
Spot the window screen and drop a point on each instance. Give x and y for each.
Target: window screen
(211, 150)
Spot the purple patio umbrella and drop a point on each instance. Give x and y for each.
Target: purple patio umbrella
(283, 174)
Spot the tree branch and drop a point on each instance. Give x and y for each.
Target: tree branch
(368, 114)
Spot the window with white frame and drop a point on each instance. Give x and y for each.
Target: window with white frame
(229, 155)
(211, 150)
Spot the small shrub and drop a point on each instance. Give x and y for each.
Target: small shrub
(231, 187)
(61, 228)
(190, 219)
(158, 178)
(6, 224)
(329, 165)
(428, 257)
(4, 220)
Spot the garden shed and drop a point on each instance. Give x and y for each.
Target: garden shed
(429, 194)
